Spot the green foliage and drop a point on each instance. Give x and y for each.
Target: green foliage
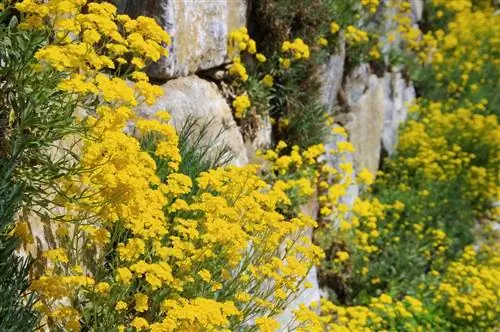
(33, 118)
(279, 20)
(198, 149)
(295, 100)
(297, 107)
(16, 304)
(433, 81)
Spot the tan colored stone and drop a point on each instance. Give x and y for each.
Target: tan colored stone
(199, 31)
(200, 99)
(365, 98)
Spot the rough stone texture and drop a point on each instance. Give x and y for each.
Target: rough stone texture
(40, 218)
(332, 74)
(193, 96)
(417, 9)
(365, 100)
(398, 95)
(262, 139)
(199, 31)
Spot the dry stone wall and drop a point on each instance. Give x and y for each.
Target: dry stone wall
(199, 31)
(371, 107)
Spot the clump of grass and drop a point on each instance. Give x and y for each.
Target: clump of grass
(199, 148)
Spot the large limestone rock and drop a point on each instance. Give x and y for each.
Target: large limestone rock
(194, 97)
(199, 31)
(398, 94)
(417, 9)
(332, 74)
(365, 100)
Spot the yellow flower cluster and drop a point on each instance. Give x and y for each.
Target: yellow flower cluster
(209, 259)
(240, 41)
(238, 69)
(268, 81)
(355, 36)
(469, 288)
(297, 48)
(334, 28)
(382, 313)
(426, 149)
(76, 47)
(372, 5)
(241, 104)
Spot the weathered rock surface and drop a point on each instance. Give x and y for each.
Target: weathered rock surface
(398, 94)
(199, 31)
(262, 138)
(365, 101)
(417, 9)
(194, 97)
(332, 74)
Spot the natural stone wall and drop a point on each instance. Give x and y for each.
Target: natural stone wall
(371, 107)
(398, 95)
(332, 74)
(365, 104)
(199, 31)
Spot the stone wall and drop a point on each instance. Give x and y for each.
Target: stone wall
(199, 31)
(371, 107)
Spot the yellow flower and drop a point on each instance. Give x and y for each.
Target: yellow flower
(120, 305)
(241, 104)
(366, 177)
(205, 275)
(260, 57)
(342, 256)
(322, 41)
(140, 323)
(266, 324)
(124, 275)
(268, 81)
(285, 63)
(334, 27)
(103, 287)
(56, 255)
(141, 302)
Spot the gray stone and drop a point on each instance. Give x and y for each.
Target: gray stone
(195, 97)
(261, 139)
(199, 31)
(417, 9)
(398, 95)
(331, 75)
(365, 100)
